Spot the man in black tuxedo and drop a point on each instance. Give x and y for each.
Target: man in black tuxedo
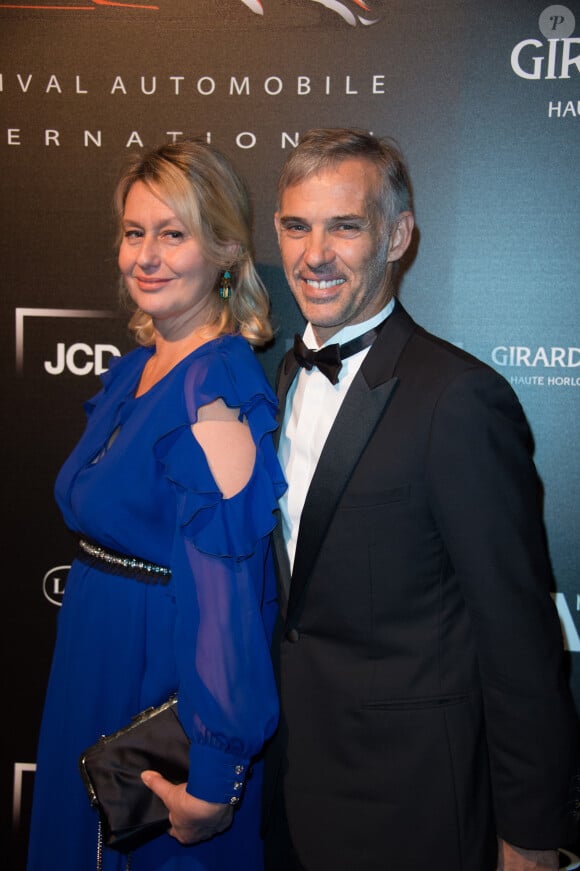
(426, 718)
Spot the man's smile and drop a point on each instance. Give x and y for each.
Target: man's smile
(324, 284)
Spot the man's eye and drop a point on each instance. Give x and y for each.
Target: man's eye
(295, 228)
(348, 228)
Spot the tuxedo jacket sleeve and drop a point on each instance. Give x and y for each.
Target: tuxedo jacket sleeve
(484, 495)
(421, 586)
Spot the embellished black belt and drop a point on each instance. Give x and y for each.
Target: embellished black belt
(115, 563)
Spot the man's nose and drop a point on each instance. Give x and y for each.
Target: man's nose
(318, 249)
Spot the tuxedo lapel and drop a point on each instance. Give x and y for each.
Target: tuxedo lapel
(284, 378)
(362, 408)
(355, 423)
(282, 568)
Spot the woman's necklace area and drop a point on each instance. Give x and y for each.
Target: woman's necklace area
(159, 364)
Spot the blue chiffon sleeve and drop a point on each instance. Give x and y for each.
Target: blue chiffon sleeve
(224, 580)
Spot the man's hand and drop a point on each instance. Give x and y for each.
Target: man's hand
(192, 819)
(515, 859)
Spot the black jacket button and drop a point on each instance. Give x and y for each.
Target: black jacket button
(293, 636)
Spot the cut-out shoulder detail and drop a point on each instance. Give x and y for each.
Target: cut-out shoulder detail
(227, 444)
(217, 410)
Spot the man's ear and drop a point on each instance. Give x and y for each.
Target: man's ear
(401, 236)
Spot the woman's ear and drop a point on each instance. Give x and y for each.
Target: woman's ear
(233, 251)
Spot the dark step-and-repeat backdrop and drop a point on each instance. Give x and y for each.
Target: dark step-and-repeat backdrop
(483, 97)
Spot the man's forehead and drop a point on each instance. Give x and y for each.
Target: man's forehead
(346, 187)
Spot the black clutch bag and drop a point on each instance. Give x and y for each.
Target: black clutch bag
(130, 814)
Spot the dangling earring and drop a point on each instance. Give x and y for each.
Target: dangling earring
(226, 285)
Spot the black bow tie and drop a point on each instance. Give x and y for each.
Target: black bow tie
(329, 359)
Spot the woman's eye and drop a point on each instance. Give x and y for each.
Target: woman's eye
(173, 234)
(133, 234)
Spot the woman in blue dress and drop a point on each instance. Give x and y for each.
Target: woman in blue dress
(176, 467)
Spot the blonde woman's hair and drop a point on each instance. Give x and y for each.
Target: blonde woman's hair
(206, 193)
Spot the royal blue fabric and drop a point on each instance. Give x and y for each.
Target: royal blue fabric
(123, 645)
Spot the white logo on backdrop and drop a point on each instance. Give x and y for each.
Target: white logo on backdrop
(555, 57)
(206, 87)
(539, 366)
(53, 584)
(79, 358)
(343, 9)
(567, 624)
(545, 357)
(572, 861)
(20, 770)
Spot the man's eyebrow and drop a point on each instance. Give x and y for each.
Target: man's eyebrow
(335, 219)
(347, 218)
(291, 219)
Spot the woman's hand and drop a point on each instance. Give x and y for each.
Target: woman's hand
(192, 819)
(516, 859)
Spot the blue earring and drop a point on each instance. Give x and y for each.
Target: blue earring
(226, 285)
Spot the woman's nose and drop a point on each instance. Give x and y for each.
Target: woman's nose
(148, 252)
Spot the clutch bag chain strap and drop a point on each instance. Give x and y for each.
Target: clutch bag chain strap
(100, 852)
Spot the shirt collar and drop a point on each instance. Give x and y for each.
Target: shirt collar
(350, 331)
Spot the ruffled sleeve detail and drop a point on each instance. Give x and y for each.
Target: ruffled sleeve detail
(222, 571)
(119, 368)
(216, 526)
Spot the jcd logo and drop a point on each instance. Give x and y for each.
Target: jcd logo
(53, 584)
(80, 359)
(67, 341)
(554, 58)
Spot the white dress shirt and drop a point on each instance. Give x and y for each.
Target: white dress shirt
(311, 408)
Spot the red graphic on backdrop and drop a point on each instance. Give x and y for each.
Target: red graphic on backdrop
(86, 8)
(340, 7)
